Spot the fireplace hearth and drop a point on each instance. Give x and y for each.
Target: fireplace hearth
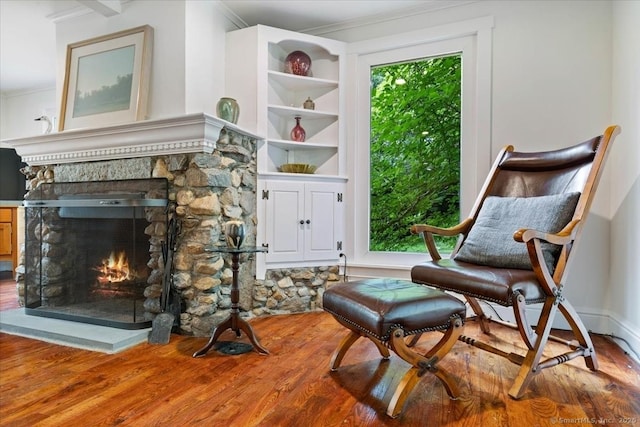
(92, 248)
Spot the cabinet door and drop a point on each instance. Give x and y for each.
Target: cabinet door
(284, 212)
(5, 238)
(322, 221)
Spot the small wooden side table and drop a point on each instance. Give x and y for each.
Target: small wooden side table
(234, 321)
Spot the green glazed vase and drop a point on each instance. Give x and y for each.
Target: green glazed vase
(228, 109)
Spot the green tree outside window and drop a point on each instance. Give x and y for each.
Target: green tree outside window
(415, 151)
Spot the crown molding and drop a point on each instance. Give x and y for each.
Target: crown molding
(426, 7)
(230, 15)
(29, 91)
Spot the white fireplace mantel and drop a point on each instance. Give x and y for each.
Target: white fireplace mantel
(190, 133)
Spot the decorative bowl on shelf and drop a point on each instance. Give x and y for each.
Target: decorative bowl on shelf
(297, 63)
(297, 168)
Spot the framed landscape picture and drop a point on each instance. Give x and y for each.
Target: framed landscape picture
(107, 79)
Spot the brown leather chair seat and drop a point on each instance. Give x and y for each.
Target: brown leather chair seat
(376, 306)
(480, 281)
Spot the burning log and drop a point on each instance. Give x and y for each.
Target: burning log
(115, 269)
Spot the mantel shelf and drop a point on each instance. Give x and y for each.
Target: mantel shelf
(190, 133)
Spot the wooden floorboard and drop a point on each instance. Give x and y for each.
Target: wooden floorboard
(8, 293)
(44, 384)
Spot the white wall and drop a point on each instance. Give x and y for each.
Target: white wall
(19, 110)
(166, 90)
(204, 56)
(551, 87)
(187, 69)
(623, 290)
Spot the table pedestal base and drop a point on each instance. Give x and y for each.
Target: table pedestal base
(233, 347)
(236, 323)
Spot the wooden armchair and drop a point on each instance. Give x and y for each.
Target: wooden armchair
(516, 247)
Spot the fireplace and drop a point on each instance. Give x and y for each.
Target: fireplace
(92, 249)
(211, 169)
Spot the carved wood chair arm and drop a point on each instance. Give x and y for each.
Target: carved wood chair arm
(562, 237)
(428, 231)
(533, 239)
(462, 227)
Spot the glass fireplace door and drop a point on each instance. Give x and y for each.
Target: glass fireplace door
(91, 248)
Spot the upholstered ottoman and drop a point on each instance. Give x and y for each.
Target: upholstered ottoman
(387, 311)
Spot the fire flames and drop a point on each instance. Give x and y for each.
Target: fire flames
(115, 269)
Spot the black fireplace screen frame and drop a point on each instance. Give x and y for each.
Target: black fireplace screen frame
(65, 222)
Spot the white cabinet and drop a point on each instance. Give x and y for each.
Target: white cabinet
(304, 221)
(270, 98)
(301, 217)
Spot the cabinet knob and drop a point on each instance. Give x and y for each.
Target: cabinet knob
(308, 221)
(301, 222)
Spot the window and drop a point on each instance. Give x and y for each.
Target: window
(414, 169)
(470, 43)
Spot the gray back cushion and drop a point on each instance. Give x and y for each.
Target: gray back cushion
(490, 241)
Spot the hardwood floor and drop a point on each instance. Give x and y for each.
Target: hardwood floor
(8, 293)
(43, 384)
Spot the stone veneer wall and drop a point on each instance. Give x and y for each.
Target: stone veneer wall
(208, 190)
(297, 290)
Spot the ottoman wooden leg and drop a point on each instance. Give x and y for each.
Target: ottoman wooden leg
(345, 345)
(421, 364)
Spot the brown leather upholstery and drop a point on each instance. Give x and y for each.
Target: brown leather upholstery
(544, 173)
(493, 284)
(376, 306)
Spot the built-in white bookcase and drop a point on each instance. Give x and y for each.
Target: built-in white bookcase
(270, 99)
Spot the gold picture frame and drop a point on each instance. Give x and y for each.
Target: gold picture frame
(106, 79)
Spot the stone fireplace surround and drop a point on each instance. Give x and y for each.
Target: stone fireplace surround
(211, 168)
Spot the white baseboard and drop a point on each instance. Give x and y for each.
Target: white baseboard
(628, 337)
(600, 323)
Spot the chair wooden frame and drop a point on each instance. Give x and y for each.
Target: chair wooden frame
(552, 284)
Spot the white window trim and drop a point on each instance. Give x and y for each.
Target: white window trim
(474, 39)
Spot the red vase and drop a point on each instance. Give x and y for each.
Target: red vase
(297, 133)
(297, 63)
